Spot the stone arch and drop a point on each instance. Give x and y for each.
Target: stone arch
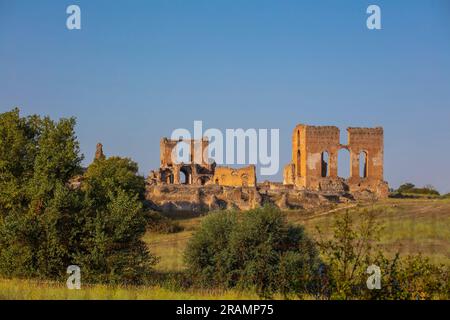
(344, 163)
(325, 164)
(167, 176)
(203, 180)
(363, 160)
(185, 175)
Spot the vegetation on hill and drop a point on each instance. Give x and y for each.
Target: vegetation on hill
(410, 189)
(335, 266)
(257, 249)
(349, 253)
(45, 226)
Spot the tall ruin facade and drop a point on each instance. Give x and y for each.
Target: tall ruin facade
(198, 170)
(314, 164)
(311, 179)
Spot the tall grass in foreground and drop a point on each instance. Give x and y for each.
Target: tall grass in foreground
(15, 289)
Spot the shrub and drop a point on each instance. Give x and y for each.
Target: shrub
(45, 226)
(411, 278)
(409, 188)
(256, 249)
(350, 252)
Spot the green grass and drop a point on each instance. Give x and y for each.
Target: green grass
(410, 226)
(407, 226)
(44, 290)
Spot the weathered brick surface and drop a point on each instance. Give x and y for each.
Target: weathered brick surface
(315, 160)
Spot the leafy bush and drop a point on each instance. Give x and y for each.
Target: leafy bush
(411, 278)
(45, 226)
(350, 252)
(409, 188)
(256, 249)
(110, 175)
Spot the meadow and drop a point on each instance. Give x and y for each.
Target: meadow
(408, 226)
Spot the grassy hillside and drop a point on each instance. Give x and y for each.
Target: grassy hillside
(44, 290)
(409, 226)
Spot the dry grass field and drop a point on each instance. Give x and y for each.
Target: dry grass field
(409, 226)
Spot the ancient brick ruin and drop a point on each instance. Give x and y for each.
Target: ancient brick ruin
(99, 152)
(311, 179)
(314, 164)
(199, 170)
(232, 177)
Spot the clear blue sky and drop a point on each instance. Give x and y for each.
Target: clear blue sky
(139, 69)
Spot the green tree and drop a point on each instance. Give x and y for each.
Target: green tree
(410, 278)
(46, 226)
(105, 176)
(406, 187)
(112, 223)
(349, 252)
(17, 154)
(57, 159)
(38, 157)
(257, 249)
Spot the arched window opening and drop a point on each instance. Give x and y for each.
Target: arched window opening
(363, 167)
(185, 176)
(344, 163)
(167, 177)
(297, 165)
(202, 180)
(325, 162)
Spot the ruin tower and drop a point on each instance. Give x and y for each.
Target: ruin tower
(99, 152)
(314, 163)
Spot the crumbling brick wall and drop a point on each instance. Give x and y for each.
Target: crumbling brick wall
(196, 171)
(314, 162)
(242, 177)
(198, 151)
(289, 174)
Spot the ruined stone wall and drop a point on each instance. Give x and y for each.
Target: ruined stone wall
(314, 162)
(367, 144)
(370, 142)
(180, 198)
(242, 177)
(198, 151)
(197, 169)
(173, 198)
(321, 151)
(311, 146)
(289, 174)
